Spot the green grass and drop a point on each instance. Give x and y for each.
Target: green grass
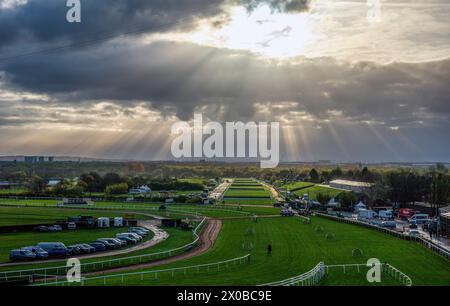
(248, 201)
(38, 215)
(297, 185)
(315, 190)
(243, 193)
(298, 247)
(15, 191)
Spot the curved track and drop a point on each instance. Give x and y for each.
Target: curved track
(207, 240)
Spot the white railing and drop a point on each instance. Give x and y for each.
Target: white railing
(385, 267)
(99, 265)
(309, 278)
(397, 274)
(315, 275)
(142, 275)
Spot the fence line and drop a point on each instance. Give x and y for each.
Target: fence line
(105, 263)
(424, 242)
(215, 266)
(385, 267)
(309, 278)
(315, 275)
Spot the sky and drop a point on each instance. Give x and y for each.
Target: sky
(343, 86)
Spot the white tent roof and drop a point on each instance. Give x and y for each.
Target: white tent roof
(360, 204)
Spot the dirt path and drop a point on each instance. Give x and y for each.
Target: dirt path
(273, 191)
(207, 239)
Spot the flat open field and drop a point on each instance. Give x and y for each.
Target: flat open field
(297, 186)
(39, 215)
(297, 247)
(314, 190)
(247, 192)
(180, 210)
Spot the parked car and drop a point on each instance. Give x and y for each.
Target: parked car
(108, 245)
(55, 228)
(74, 249)
(85, 248)
(71, 226)
(139, 231)
(41, 229)
(418, 218)
(40, 253)
(21, 255)
(98, 246)
(128, 239)
(386, 214)
(414, 233)
(117, 244)
(137, 236)
(389, 224)
(287, 213)
(121, 242)
(55, 248)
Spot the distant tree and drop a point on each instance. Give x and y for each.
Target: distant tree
(121, 188)
(323, 198)
(347, 199)
(111, 178)
(439, 191)
(37, 185)
(313, 175)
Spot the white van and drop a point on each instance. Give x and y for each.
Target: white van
(366, 214)
(118, 222)
(386, 214)
(418, 218)
(103, 222)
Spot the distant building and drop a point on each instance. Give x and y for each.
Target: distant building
(144, 189)
(5, 185)
(53, 183)
(350, 185)
(444, 221)
(38, 159)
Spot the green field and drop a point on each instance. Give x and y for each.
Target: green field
(15, 191)
(248, 201)
(297, 186)
(38, 210)
(297, 247)
(314, 190)
(250, 193)
(247, 192)
(38, 215)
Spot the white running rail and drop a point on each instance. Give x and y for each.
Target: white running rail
(215, 266)
(309, 278)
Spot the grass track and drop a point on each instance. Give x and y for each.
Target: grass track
(298, 247)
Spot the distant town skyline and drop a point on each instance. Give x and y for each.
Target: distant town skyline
(344, 88)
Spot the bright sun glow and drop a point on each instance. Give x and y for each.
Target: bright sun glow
(271, 34)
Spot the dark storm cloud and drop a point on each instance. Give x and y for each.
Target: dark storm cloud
(278, 5)
(180, 78)
(45, 20)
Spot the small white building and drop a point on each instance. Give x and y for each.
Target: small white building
(350, 185)
(118, 222)
(360, 206)
(103, 222)
(333, 203)
(144, 189)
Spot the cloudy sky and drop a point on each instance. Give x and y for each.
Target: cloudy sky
(343, 86)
